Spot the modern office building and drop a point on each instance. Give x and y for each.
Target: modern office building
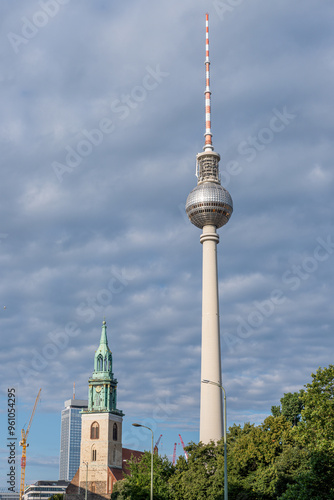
(209, 206)
(8, 495)
(70, 438)
(42, 490)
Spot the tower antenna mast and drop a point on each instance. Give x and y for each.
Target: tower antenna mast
(208, 134)
(209, 206)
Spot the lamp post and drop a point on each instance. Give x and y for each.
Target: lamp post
(140, 425)
(225, 432)
(86, 464)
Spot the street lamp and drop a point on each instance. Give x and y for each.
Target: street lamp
(225, 424)
(140, 425)
(86, 464)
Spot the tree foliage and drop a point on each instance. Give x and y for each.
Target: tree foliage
(316, 483)
(136, 486)
(316, 429)
(201, 477)
(290, 456)
(291, 407)
(255, 454)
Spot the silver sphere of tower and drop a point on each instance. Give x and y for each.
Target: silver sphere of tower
(209, 203)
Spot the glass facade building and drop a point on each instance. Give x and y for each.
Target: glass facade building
(42, 490)
(70, 438)
(8, 495)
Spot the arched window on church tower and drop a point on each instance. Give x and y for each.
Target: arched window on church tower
(114, 432)
(99, 363)
(93, 454)
(94, 430)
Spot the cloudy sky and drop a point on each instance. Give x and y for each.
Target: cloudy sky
(102, 114)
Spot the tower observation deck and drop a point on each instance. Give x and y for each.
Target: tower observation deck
(209, 206)
(208, 203)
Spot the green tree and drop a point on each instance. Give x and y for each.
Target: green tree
(293, 462)
(277, 460)
(136, 486)
(315, 436)
(291, 406)
(252, 457)
(316, 429)
(276, 411)
(316, 483)
(202, 476)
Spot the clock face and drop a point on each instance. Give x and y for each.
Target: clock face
(98, 388)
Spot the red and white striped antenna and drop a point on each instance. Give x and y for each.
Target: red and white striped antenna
(208, 135)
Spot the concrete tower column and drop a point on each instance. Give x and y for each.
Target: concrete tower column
(211, 423)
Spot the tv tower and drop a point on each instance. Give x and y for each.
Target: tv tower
(209, 206)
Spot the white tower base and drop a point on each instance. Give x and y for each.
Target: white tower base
(211, 416)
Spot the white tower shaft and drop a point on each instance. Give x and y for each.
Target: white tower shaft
(211, 417)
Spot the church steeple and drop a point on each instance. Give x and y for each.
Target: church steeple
(102, 393)
(103, 357)
(101, 430)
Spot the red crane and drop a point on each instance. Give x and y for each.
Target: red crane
(185, 453)
(174, 453)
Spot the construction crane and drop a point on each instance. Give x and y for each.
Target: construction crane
(23, 443)
(174, 453)
(185, 453)
(156, 445)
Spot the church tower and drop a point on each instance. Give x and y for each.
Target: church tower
(101, 433)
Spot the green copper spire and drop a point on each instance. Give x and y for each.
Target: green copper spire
(103, 357)
(102, 392)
